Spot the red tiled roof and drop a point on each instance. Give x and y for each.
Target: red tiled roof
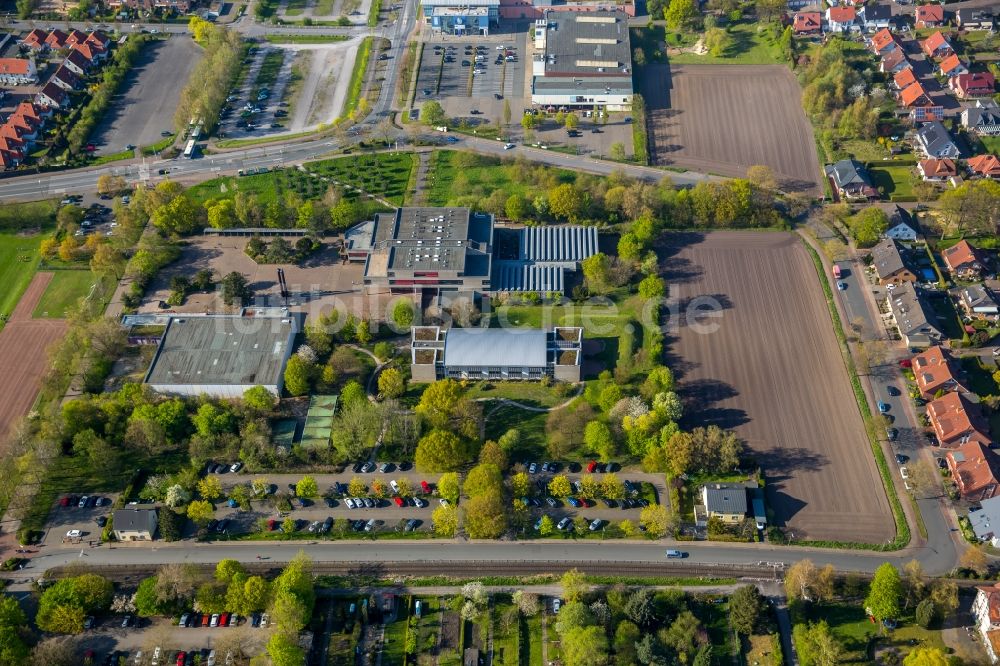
(882, 39)
(977, 82)
(29, 110)
(939, 168)
(842, 14)
(974, 468)
(933, 372)
(14, 66)
(985, 165)
(913, 94)
(807, 22)
(904, 78)
(950, 63)
(893, 58)
(98, 37)
(960, 255)
(35, 38)
(954, 418)
(56, 38)
(75, 37)
(930, 14)
(88, 51)
(11, 144)
(934, 43)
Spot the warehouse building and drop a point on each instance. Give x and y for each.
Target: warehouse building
(223, 355)
(461, 17)
(495, 354)
(583, 61)
(539, 258)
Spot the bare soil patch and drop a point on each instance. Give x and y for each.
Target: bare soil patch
(725, 118)
(772, 370)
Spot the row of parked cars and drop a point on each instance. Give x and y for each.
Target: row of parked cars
(194, 619)
(217, 468)
(84, 502)
(567, 524)
(383, 468)
(161, 657)
(593, 467)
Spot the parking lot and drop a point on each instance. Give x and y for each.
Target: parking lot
(255, 108)
(82, 521)
(146, 108)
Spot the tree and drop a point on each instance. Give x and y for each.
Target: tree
(59, 650)
(974, 206)
(585, 646)
(485, 516)
(868, 225)
(597, 437)
(391, 383)
(527, 603)
(108, 184)
(306, 487)
(444, 405)
(560, 486)
(566, 202)
(235, 289)
(176, 496)
(259, 399)
(482, 479)
(445, 520)
(574, 585)
(926, 657)
(440, 451)
(492, 453)
(657, 520)
(107, 261)
(618, 151)
(884, 594)
(799, 579)
(571, 121)
(925, 613)
(284, 651)
(506, 113)
(516, 206)
(817, 646)
(681, 14)
(973, 558)
(431, 113)
(201, 512)
(403, 314)
(447, 487)
(298, 375)
(639, 608)
(546, 526)
(717, 41)
(746, 607)
(353, 394)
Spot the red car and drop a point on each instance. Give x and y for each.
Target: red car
(63, 501)
(591, 466)
(906, 363)
(205, 619)
(424, 486)
(224, 620)
(272, 524)
(181, 656)
(399, 501)
(91, 148)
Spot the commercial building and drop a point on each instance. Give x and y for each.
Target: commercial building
(583, 61)
(134, 524)
(223, 355)
(495, 354)
(461, 17)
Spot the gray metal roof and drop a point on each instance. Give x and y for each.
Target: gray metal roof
(570, 244)
(590, 86)
(222, 350)
(427, 239)
(726, 498)
(493, 347)
(135, 520)
(522, 276)
(848, 172)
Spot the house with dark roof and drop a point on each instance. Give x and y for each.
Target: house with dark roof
(807, 24)
(937, 171)
(902, 226)
(913, 316)
(957, 420)
(937, 46)
(986, 613)
(889, 263)
(725, 501)
(894, 61)
(971, 85)
(52, 96)
(963, 260)
(934, 140)
(851, 181)
(75, 37)
(929, 16)
(65, 79)
(77, 63)
(974, 469)
(974, 19)
(134, 524)
(875, 17)
(984, 166)
(56, 39)
(953, 66)
(90, 51)
(979, 302)
(934, 371)
(842, 19)
(982, 119)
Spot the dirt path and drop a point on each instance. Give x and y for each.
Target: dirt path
(321, 98)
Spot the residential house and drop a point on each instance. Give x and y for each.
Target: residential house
(937, 46)
(974, 19)
(937, 171)
(33, 111)
(884, 42)
(929, 16)
(875, 17)
(926, 113)
(914, 95)
(986, 612)
(77, 63)
(953, 66)
(933, 140)
(9, 160)
(52, 96)
(28, 128)
(902, 226)
(842, 19)
(986, 521)
(56, 39)
(807, 24)
(35, 40)
(913, 316)
(17, 133)
(75, 37)
(14, 147)
(984, 166)
(894, 61)
(956, 420)
(904, 78)
(982, 119)
(135, 524)
(91, 51)
(725, 501)
(933, 371)
(974, 468)
(963, 260)
(969, 85)
(889, 264)
(99, 38)
(17, 71)
(65, 79)
(851, 181)
(979, 302)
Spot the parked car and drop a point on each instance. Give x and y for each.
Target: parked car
(882, 407)
(565, 523)
(235, 467)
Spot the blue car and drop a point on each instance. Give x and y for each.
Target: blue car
(882, 407)
(452, 139)
(574, 502)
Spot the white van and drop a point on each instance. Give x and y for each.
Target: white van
(675, 554)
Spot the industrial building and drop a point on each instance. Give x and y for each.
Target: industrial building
(456, 250)
(583, 61)
(495, 354)
(223, 355)
(461, 17)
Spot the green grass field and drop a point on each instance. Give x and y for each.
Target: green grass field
(33, 215)
(18, 261)
(357, 82)
(64, 292)
(456, 177)
(269, 69)
(894, 181)
(750, 44)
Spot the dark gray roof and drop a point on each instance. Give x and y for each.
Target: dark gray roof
(493, 347)
(588, 44)
(222, 350)
(414, 239)
(887, 258)
(978, 296)
(135, 520)
(900, 215)
(877, 12)
(525, 276)
(848, 172)
(936, 140)
(912, 314)
(570, 243)
(975, 116)
(726, 498)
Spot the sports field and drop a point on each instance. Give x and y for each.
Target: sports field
(18, 261)
(772, 370)
(63, 293)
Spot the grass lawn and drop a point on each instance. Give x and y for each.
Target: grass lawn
(505, 644)
(948, 319)
(715, 617)
(531, 650)
(980, 377)
(395, 639)
(864, 151)
(893, 181)
(455, 177)
(752, 44)
(64, 292)
(531, 425)
(760, 651)
(430, 625)
(268, 73)
(33, 215)
(528, 393)
(323, 8)
(18, 261)
(383, 174)
(295, 7)
(991, 144)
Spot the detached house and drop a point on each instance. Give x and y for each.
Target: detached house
(807, 24)
(986, 612)
(937, 46)
(135, 524)
(984, 166)
(963, 260)
(934, 372)
(904, 78)
(933, 140)
(979, 302)
(52, 96)
(902, 226)
(937, 171)
(884, 42)
(974, 19)
(979, 84)
(889, 264)
(957, 421)
(875, 17)
(913, 316)
(725, 501)
(17, 71)
(851, 181)
(953, 66)
(974, 469)
(929, 16)
(983, 118)
(842, 19)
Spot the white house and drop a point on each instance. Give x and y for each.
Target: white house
(902, 226)
(986, 613)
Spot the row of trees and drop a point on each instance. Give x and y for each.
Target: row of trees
(209, 83)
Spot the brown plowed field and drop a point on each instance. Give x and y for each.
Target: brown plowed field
(773, 371)
(23, 344)
(724, 118)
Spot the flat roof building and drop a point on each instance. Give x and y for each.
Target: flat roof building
(583, 61)
(461, 17)
(222, 355)
(496, 354)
